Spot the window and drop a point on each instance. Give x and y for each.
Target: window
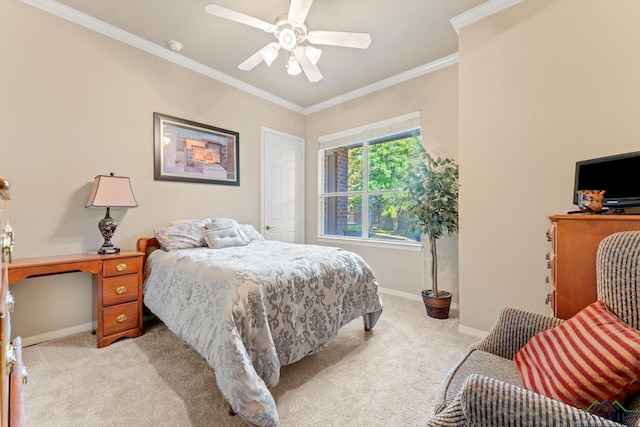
(362, 174)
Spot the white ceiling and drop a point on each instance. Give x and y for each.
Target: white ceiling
(408, 36)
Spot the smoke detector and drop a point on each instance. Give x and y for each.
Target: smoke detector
(174, 45)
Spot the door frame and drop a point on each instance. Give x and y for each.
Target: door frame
(300, 204)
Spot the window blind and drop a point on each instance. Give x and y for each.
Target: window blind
(371, 131)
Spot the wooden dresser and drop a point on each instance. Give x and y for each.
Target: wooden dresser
(572, 260)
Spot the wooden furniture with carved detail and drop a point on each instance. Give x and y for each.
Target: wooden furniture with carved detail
(572, 260)
(12, 372)
(119, 279)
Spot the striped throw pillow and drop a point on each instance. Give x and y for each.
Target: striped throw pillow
(592, 357)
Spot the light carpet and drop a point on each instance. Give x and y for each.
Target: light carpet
(387, 377)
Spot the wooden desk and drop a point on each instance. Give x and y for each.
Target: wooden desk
(119, 278)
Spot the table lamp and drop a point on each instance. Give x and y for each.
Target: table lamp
(110, 191)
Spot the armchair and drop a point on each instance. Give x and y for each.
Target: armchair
(485, 388)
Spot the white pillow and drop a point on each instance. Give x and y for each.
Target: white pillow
(250, 233)
(217, 223)
(182, 236)
(224, 238)
(182, 221)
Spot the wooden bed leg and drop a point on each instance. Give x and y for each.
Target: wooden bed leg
(367, 322)
(231, 411)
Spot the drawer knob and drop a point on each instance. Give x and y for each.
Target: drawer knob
(10, 301)
(121, 318)
(25, 375)
(121, 267)
(121, 290)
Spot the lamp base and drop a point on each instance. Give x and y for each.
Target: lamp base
(107, 227)
(108, 250)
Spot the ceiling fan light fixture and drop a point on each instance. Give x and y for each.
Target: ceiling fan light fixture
(293, 67)
(269, 54)
(291, 32)
(287, 38)
(313, 54)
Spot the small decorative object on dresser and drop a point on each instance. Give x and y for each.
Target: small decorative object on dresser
(110, 192)
(591, 201)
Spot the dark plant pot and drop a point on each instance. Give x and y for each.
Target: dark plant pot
(437, 306)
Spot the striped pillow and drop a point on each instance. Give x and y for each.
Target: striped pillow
(593, 356)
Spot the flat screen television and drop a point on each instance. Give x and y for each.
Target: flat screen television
(619, 175)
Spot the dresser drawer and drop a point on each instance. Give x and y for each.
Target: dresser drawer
(120, 317)
(119, 289)
(119, 266)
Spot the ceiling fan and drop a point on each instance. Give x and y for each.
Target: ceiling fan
(291, 32)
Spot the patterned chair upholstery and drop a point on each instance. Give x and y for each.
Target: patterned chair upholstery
(484, 388)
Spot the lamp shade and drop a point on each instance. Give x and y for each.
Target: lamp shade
(269, 54)
(110, 191)
(293, 67)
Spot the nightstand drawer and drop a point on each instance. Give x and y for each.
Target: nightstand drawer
(120, 289)
(120, 317)
(116, 267)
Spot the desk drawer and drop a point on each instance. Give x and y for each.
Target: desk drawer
(118, 266)
(119, 289)
(120, 317)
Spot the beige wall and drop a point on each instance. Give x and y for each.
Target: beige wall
(542, 85)
(75, 104)
(435, 96)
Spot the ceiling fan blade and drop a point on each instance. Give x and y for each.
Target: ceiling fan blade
(267, 54)
(232, 15)
(340, 38)
(251, 62)
(310, 69)
(298, 10)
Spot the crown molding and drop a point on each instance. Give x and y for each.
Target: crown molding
(480, 12)
(383, 84)
(73, 15)
(87, 21)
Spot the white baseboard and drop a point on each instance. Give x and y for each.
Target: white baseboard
(90, 326)
(415, 297)
(472, 331)
(52, 335)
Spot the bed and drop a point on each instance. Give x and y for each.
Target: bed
(250, 305)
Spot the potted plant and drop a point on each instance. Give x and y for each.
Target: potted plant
(432, 191)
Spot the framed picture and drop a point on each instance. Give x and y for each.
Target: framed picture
(195, 152)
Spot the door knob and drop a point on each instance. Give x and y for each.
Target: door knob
(268, 227)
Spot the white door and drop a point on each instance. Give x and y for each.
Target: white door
(282, 186)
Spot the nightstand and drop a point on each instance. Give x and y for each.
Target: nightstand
(119, 280)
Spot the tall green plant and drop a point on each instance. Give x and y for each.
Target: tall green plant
(432, 193)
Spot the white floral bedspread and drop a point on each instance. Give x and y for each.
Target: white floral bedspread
(249, 310)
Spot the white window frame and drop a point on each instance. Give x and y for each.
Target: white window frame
(362, 134)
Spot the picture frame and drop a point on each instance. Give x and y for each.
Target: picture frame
(188, 151)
